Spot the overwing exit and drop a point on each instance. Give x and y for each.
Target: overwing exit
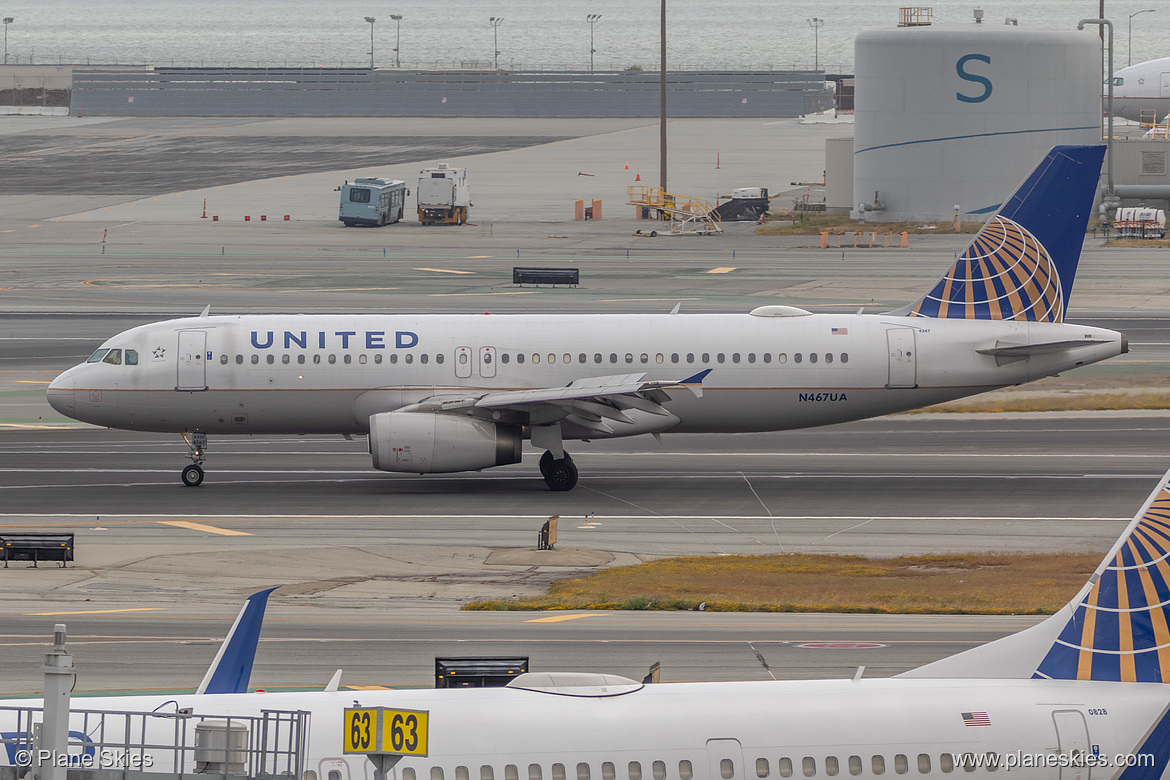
(449, 393)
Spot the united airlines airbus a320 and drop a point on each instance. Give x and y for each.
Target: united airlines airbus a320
(441, 393)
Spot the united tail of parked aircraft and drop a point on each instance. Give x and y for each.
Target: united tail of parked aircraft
(1080, 695)
(1142, 92)
(447, 393)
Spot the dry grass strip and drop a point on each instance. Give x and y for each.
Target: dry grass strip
(984, 584)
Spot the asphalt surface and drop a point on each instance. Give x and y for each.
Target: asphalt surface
(376, 565)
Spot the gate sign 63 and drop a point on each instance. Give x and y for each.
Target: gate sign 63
(386, 731)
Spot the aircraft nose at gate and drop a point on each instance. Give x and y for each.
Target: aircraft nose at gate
(60, 394)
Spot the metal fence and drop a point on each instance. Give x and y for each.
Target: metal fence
(362, 92)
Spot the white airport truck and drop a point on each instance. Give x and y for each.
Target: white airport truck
(443, 195)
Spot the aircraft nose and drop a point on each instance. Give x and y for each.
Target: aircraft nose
(60, 394)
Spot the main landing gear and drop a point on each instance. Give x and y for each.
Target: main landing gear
(196, 447)
(558, 474)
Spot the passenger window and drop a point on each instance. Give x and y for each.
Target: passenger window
(511, 772)
(558, 771)
(946, 762)
(767, 357)
(607, 771)
(659, 769)
(462, 358)
(782, 358)
(612, 357)
(582, 358)
(552, 358)
(504, 358)
(436, 773)
(255, 359)
(990, 762)
(582, 771)
(97, 356)
(113, 357)
(685, 772)
(968, 762)
(132, 357)
(854, 765)
(658, 358)
(734, 357)
(424, 357)
(751, 357)
(923, 764)
(378, 357)
(534, 772)
(828, 357)
(808, 765)
(284, 359)
(486, 358)
(706, 357)
(812, 357)
(832, 767)
(409, 358)
(486, 772)
(635, 770)
(690, 357)
(309, 774)
(270, 359)
(535, 358)
(569, 358)
(719, 357)
(597, 357)
(222, 359)
(784, 767)
(519, 357)
(408, 773)
(645, 358)
(300, 360)
(334, 775)
(797, 358)
(332, 359)
(879, 765)
(761, 767)
(348, 358)
(393, 357)
(240, 362)
(461, 773)
(844, 357)
(629, 358)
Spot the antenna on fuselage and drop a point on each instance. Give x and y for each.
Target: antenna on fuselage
(206, 311)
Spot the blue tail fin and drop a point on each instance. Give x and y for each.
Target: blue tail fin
(1021, 265)
(1117, 628)
(232, 667)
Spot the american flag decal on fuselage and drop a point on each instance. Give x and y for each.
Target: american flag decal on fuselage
(1005, 274)
(976, 719)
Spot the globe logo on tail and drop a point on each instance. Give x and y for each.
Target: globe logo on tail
(1005, 274)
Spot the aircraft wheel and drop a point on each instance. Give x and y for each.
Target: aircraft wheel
(653, 234)
(561, 474)
(545, 461)
(193, 476)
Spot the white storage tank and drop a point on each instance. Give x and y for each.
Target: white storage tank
(958, 115)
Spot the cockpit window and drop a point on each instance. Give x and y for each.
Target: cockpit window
(113, 357)
(97, 356)
(1119, 81)
(131, 357)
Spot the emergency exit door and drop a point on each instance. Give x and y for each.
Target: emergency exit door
(192, 360)
(903, 358)
(1072, 737)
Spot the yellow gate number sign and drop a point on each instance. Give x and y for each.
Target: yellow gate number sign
(380, 730)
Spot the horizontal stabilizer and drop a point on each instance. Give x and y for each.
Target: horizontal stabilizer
(1048, 347)
(232, 668)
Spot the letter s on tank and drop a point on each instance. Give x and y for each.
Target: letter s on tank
(974, 78)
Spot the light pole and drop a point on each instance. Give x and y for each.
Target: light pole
(397, 40)
(7, 21)
(816, 23)
(495, 22)
(1105, 23)
(1129, 46)
(371, 20)
(592, 20)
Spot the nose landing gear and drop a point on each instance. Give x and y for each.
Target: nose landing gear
(196, 447)
(559, 474)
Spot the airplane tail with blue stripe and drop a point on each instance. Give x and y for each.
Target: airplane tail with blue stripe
(1117, 628)
(1021, 264)
(232, 668)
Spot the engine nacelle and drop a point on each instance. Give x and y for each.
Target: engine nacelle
(426, 443)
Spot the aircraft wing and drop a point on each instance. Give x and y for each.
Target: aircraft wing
(593, 399)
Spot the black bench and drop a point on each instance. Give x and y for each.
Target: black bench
(546, 276)
(36, 548)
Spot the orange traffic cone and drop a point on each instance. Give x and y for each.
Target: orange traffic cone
(627, 165)
(638, 175)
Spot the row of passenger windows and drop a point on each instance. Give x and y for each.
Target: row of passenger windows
(114, 357)
(808, 766)
(464, 358)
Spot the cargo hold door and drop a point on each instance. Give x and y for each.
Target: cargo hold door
(192, 373)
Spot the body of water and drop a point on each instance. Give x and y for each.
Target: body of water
(548, 34)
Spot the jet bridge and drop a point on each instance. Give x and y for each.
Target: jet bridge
(687, 215)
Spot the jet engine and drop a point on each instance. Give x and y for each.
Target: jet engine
(426, 443)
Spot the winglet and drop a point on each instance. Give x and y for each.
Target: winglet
(677, 306)
(334, 682)
(206, 311)
(694, 383)
(232, 667)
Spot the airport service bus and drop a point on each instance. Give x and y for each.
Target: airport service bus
(372, 202)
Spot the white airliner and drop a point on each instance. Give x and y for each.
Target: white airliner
(1080, 695)
(1142, 92)
(445, 393)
